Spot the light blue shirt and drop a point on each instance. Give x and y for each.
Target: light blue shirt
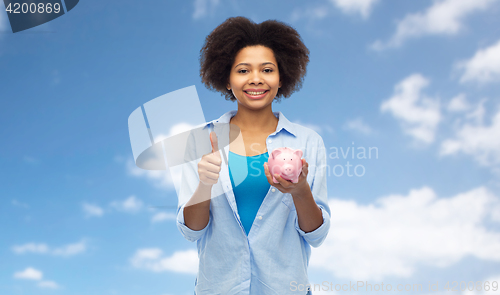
(250, 193)
(273, 258)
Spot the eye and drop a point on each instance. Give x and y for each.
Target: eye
(242, 71)
(268, 70)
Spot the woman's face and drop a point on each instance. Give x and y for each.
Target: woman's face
(254, 77)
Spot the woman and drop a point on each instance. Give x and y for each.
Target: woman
(254, 235)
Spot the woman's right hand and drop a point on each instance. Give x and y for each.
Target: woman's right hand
(210, 164)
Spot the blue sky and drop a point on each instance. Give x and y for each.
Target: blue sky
(417, 80)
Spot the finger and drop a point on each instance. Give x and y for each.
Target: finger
(209, 159)
(268, 175)
(213, 168)
(266, 169)
(212, 175)
(207, 165)
(283, 182)
(214, 141)
(305, 167)
(214, 158)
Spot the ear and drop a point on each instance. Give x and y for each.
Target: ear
(298, 153)
(280, 84)
(275, 153)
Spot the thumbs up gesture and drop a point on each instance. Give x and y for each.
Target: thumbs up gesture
(210, 164)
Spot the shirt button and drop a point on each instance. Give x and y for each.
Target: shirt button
(260, 217)
(270, 140)
(273, 190)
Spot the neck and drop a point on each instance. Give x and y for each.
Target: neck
(255, 120)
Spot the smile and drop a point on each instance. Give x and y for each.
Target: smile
(255, 94)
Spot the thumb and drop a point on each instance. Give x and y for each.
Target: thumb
(214, 142)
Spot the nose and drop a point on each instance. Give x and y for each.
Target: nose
(255, 78)
(287, 168)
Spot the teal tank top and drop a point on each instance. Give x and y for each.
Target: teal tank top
(250, 193)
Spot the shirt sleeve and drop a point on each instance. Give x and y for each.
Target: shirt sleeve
(189, 234)
(320, 194)
(188, 184)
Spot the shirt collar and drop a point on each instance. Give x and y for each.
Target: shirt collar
(283, 122)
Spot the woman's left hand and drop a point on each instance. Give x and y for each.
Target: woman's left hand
(286, 186)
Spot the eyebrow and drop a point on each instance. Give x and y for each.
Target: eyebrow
(247, 64)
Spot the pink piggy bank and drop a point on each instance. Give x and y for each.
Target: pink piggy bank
(285, 162)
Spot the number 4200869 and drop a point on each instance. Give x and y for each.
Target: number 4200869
(33, 8)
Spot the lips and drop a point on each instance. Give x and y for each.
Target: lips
(255, 93)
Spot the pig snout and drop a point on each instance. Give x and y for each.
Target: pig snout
(288, 169)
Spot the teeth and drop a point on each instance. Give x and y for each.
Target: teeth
(255, 93)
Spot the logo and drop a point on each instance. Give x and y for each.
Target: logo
(170, 132)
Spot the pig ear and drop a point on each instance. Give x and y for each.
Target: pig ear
(275, 153)
(298, 153)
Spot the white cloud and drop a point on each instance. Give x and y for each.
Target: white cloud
(458, 104)
(419, 115)
(351, 7)
(29, 274)
(312, 13)
(162, 216)
(31, 247)
(174, 130)
(41, 248)
(396, 234)
(444, 17)
(70, 249)
(204, 7)
(160, 178)
(477, 114)
(130, 205)
(318, 128)
(314, 127)
(152, 259)
(477, 139)
(48, 285)
(483, 67)
(361, 7)
(92, 210)
(358, 125)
